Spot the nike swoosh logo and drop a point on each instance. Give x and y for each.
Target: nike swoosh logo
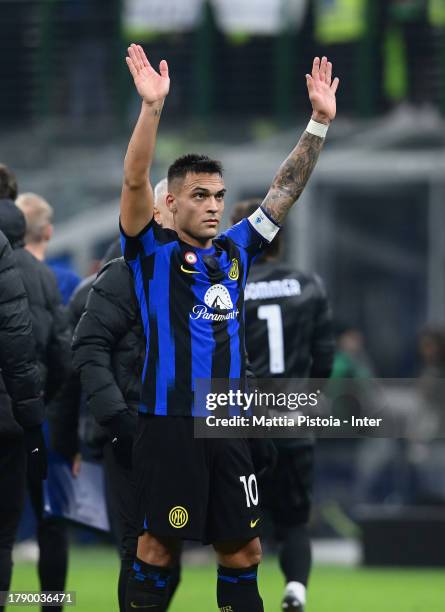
(36, 450)
(133, 605)
(189, 271)
(253, 524)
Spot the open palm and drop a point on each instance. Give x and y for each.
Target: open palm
(322, 90)
(152, 86)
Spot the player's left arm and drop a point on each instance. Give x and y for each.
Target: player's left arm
(295, 171)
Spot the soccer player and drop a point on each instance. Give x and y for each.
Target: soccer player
(289, 334)
(189, 285)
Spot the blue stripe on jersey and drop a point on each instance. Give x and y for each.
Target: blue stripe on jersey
(159, 298)
(203, 344)
(245, 236)
(148, 241)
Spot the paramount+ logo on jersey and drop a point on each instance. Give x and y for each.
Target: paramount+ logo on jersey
(218, 305)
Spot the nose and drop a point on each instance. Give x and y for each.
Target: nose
(212, 205)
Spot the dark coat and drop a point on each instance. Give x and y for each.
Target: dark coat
(20, 389)
(108, 356)
(109, 346)
(48, 316)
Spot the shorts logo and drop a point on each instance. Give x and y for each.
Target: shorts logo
(190, 258)
(234, 270)
(218, 297)
(253, 524)
(178, 517)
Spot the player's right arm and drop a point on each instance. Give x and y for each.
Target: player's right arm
(137, 195)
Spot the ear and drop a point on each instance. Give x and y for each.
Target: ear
(170, 201)
(48, 232)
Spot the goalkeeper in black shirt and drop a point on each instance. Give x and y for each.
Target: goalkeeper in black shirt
(289, 335)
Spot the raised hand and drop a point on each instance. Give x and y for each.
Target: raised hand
(152, 86)
(322, 90)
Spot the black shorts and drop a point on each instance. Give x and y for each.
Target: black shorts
(193, 489)
(286, 492)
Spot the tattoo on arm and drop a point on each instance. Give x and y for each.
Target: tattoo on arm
(292, 177)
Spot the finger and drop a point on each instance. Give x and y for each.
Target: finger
(309, 83)
(323, 67)
(131, 67)
(316, 68)
(134, 57)
(143, 57)
(329, 73)
(334, 85)
(163, 69)
(140, 56)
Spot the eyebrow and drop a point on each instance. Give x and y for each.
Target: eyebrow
(207, 192)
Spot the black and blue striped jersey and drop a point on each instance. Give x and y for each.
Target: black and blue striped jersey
(192, 307)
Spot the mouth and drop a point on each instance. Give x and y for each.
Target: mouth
(211, 222)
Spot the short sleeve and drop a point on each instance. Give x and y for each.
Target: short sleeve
(254, 233)
(143, 244)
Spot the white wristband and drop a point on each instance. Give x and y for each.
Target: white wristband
(267, 228)
(317, 129)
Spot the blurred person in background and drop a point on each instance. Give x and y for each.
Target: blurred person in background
(432, 352)
(409, 472)
(345, 459)
(351, 359)
(109, 350)
(22, 446)
(427, 425)
(52, 338)
(431, 378)
(431, 385)
(289, 334)
(39, 231)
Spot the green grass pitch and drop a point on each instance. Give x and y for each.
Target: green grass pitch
(93, 575)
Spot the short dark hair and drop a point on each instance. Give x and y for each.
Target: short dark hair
(195, 164)
(8, 184)
(244, 209)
